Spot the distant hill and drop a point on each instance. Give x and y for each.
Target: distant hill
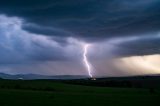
(36, 76)
(64, 77)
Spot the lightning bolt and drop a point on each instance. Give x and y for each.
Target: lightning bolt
(85, 59)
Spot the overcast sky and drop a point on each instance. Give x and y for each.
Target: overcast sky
(47, 37)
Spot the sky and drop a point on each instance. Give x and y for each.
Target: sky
(48, 37)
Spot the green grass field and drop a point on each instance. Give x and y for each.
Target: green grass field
(48, 93)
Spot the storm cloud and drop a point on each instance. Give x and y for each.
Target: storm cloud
(18, 45)
(86, 18)
(54, 31)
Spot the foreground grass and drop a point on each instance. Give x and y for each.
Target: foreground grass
(47, 93)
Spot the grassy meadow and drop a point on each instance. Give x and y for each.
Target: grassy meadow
(50, 93)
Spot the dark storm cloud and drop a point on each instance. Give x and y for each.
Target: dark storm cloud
(48, 36)
(19, 46)
(145, 46)
(87, 18)
(46, 30)
(46, 53)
